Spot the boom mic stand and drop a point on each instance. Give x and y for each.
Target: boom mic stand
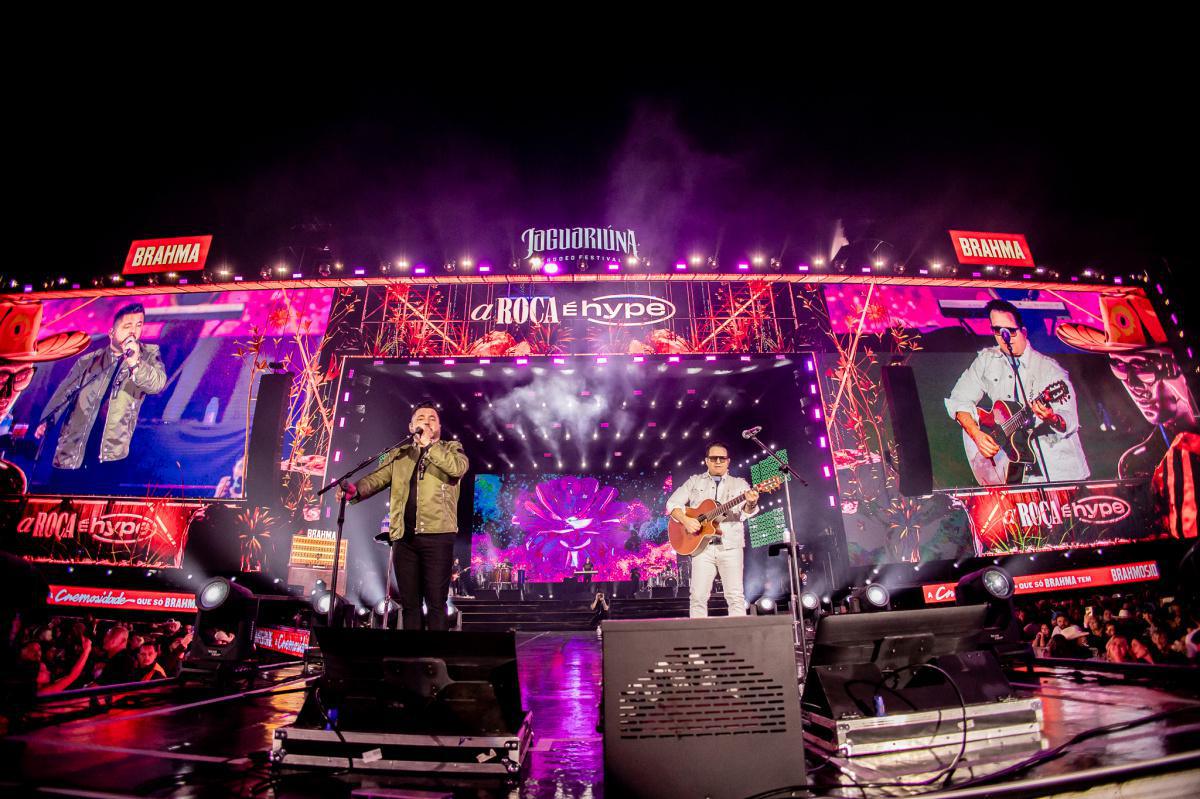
(798, 639)
(337, 543)
(1023, 398)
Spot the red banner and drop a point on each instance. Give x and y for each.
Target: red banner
(1061, 581)
(1000, 249)
(147, 533)
(181, 254)
(120, 599)
(287, 640)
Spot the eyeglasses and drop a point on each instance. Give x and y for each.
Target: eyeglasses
(717, 458)
(15, 380)
(1147, 370)
(1012, 331)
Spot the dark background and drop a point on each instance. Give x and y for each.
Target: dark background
(431, 145)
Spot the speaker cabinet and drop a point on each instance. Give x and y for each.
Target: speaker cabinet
(701, 707)
(262, 473)
(908, 429)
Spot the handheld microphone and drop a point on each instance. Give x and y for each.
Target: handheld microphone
(129, 351)
(752, 432)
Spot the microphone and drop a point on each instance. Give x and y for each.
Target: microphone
(129, 351)
(1006, 336)
(752, 432)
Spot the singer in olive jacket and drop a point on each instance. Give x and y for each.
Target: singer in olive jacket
(437, 489)
(90, 377)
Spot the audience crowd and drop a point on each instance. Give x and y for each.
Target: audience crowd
(1120, 627)
(68, 652)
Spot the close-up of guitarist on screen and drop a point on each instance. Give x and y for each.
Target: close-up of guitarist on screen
(1030, 431)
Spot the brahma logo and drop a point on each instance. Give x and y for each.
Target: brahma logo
(1101, 509)
(616, 310)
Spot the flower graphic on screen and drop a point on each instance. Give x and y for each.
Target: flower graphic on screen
(567, 515)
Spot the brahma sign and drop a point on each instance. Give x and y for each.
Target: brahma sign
(998, 249)
(181, 254)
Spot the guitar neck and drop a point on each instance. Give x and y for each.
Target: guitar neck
(717, 511)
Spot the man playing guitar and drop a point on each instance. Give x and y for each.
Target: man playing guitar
(721, 553)
(1057, 454)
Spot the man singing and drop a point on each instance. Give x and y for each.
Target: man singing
(1056, 448)
(425, 476)
(722, 552)
(109, 384)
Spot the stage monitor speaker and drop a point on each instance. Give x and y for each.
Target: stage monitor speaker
(861, 659)
(426, 683)
(701, 707)
(908, 428)
(262, 474)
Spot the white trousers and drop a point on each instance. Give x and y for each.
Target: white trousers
(704, 569)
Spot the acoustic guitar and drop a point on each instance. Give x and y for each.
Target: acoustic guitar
(710, 514)
(1012, 432)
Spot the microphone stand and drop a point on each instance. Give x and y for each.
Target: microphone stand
(798, 638)
(1024, 398)
(337, 543)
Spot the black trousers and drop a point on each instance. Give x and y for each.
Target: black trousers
(423, 562)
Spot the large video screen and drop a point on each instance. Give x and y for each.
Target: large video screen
(551, 525)
(573, 459)
(144, 396)
(1045, 440)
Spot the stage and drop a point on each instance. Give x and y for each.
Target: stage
(193, 741)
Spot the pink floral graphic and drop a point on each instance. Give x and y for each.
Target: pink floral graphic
(570, 518)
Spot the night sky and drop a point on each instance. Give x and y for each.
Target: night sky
(1090, 162)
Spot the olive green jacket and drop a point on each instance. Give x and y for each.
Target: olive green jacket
(437, 490)
(129, 390)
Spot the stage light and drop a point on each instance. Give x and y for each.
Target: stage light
(224, 624)
(757, 260)
(765, 606)
(810, 601)
(984, 585)
(550, 268)
(869, 598)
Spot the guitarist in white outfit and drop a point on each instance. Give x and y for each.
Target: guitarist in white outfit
(724, 555)
(1056, 445)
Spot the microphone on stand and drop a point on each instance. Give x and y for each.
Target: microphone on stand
(752, 432)
(1006, 336)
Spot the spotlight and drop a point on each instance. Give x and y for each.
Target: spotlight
(995, 587)
(766, 606)
(869, 598)
(332, 609)
(224, 625)
(985, 585)
(810, 601)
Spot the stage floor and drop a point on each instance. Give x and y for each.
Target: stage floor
(194, 743)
